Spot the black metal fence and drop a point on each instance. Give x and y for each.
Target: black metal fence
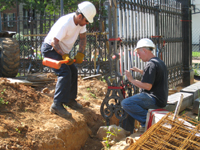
(32, 30)
(158, 20)
(128, 22)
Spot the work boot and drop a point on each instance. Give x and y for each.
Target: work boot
(57, 108)
(73, 104)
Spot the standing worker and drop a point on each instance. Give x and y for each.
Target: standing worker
(153, 85)
(57, 45)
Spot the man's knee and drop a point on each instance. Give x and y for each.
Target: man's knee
(125, 103)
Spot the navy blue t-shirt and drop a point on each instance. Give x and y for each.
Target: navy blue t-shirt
(155, 73)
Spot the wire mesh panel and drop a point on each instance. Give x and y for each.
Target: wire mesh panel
(167, 134)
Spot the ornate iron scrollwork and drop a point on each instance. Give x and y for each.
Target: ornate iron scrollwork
(112, 102)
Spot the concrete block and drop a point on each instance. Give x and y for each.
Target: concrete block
(196, 84)
(174, 98)
(170, 107)
(194, 89)
(153, 116)
(196, 106)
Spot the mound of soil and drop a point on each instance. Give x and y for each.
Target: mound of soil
(26, 122)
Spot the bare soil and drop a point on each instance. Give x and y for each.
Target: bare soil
(27, 123)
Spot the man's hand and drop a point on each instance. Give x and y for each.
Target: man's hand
(79, 57)
(66, 57)
(142, 85)
(129, 76)
(137, 70)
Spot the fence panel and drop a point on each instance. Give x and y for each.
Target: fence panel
(129, 21)
(31, 33)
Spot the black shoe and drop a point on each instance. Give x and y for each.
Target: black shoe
(73, 104)
(57, 108)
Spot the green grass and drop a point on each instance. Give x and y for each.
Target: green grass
(197, 72)
(2, 102)
(93, 95)
(195, 54)
(85, 98)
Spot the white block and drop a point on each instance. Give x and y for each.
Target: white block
(153, 116)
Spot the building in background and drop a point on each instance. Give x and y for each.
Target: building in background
(16, 18)
(195, 25)
(8, 19)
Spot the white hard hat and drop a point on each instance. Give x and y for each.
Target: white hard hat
(88, 10)
(145, 42)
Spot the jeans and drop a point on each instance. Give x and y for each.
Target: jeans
(137, 107)
(66, 86)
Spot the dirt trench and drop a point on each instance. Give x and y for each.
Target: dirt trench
(27, 124)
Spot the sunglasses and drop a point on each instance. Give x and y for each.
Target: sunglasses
(85, 19)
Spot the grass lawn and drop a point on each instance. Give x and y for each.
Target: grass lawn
(195, 54)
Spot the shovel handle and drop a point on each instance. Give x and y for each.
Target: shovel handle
(66, 61)
(54, 63)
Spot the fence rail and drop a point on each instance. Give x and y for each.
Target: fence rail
(32, 31)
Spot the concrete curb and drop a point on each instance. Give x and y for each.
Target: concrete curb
(190, 94)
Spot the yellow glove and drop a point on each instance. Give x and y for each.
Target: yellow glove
(79, 57)
(66, 57)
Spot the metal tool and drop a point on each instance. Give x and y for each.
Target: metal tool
(56, 64)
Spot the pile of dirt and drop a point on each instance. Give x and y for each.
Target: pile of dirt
(26, 122)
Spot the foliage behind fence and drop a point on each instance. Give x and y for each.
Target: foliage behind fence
(31, 34)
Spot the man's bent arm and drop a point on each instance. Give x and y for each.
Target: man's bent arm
(57, 47)
(138, 83)
(82, 43)
(141, 85)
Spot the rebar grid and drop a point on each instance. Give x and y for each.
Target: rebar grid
(183, 133)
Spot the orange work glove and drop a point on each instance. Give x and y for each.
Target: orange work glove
(66, 57)
(79, 57)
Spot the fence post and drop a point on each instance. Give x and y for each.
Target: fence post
(188, 73)
(61, 7)
(0, 22)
